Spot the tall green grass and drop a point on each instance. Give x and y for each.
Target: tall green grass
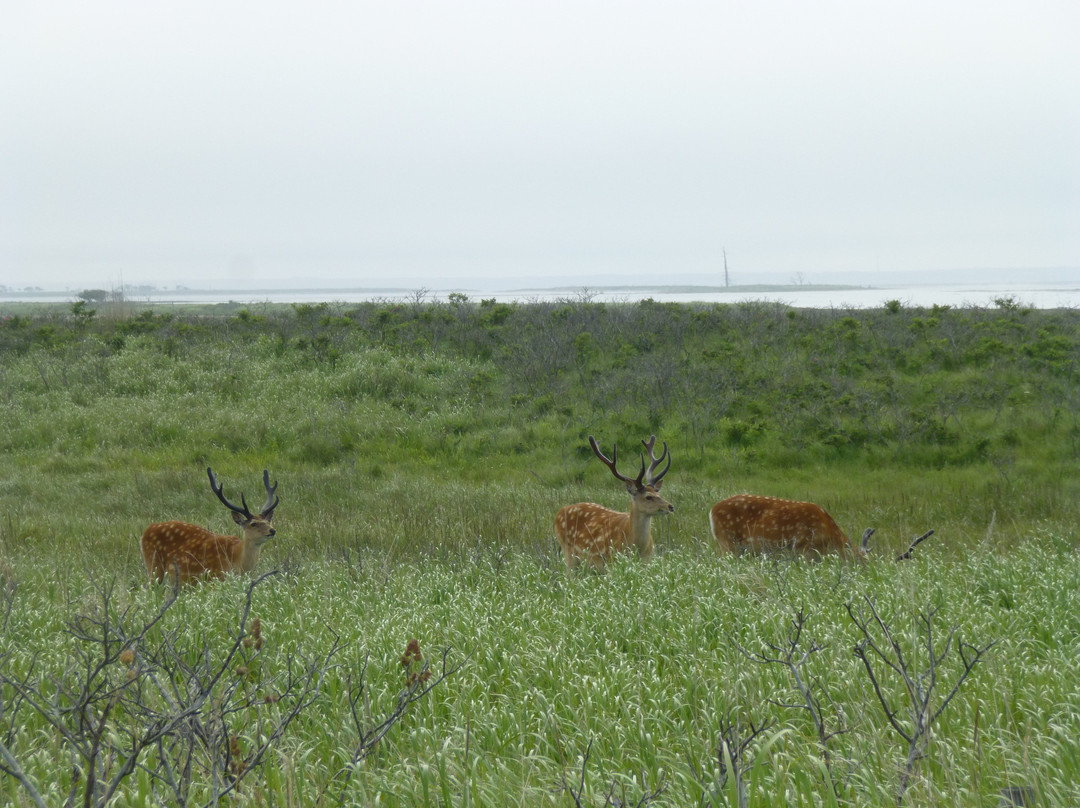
(640, 665)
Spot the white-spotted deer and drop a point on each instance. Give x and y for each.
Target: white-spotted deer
(191, 552)
(594, 533)
(749, 523)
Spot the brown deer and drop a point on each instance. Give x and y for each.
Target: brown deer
(749, 523)
(594, 533)
(191, 552)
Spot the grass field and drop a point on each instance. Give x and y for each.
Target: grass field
(422, 451)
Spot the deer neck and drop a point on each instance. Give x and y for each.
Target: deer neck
(249, 552)
(640, 529)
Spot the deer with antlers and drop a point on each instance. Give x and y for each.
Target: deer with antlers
(594, 533)
(191, 552)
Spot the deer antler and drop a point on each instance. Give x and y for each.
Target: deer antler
(650, 477)
(215, 486)
(614, 459)
(267, 511)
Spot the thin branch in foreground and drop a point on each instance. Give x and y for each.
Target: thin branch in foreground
(730, 761)
(576, 795)
(789, 655)
(10, 766)
(731, 754)
(610, 799)
(918, 685)
(180, 718)
(419, 681)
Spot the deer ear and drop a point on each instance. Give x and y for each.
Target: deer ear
(239, 518)
(658, 483)
(632, 487)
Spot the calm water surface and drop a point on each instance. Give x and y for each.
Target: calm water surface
(1043, 296)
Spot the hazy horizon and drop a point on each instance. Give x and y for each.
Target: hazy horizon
(422, 143)
(1068, 277)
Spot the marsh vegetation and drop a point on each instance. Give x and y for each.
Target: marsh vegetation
(423, 448)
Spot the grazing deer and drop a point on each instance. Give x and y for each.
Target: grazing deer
(594, 533)
(190, 552)
(748, 523)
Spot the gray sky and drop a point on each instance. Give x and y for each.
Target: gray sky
(362, 143)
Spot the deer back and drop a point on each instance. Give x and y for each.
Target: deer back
(592, 532)
(748, 523)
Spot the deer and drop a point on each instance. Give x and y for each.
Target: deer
(750, 523)
(594, 533)
(191, 553)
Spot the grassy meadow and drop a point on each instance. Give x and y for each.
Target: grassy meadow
(422, 449)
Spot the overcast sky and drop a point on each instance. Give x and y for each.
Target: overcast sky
(268, 143)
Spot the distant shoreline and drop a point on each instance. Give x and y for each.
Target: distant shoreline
(1056, 293)
(689, 289)
(679, 289)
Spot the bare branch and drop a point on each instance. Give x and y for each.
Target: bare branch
(576, 795)
(10, 766)
(732, 750)
(420, 681)
(919, 685)
(976, 654)
(610, 800)
(179, 716)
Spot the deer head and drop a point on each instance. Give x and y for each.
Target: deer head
(242, 516)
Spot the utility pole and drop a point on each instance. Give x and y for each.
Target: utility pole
(727, 281)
